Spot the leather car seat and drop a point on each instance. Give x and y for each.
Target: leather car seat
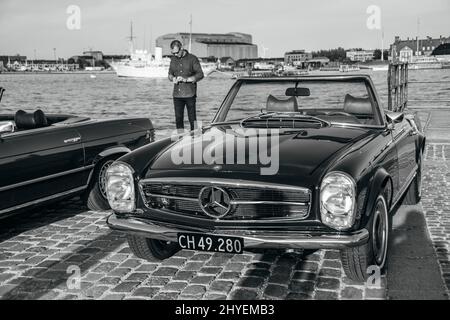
(27, 121)
(279, 105)
(354, 105)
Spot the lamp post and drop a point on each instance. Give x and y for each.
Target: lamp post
(54, 54)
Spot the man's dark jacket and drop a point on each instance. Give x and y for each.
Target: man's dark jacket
(186, 66)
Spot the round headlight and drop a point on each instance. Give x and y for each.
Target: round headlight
(337, 200)
(120, 187)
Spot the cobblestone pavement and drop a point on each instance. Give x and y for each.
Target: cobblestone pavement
(41, 251)
(436, 203)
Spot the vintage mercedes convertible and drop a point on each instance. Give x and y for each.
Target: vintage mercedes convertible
(47, 157)
(344, 164)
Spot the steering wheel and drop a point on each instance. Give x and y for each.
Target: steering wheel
(343, 113)
(340, 113)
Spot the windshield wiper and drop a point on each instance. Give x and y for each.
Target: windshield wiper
(285, 115)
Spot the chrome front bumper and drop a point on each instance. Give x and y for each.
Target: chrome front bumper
(252, 238)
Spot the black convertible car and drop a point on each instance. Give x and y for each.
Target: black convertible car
(340, 166)
(47, 157)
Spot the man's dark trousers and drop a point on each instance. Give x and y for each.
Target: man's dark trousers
(179, 104)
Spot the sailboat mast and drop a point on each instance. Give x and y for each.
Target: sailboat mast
(418, 32)
(131, 37)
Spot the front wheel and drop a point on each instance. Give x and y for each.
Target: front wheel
(152, 250)
(357, 261)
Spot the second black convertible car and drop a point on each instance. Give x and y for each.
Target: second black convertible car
(340, 165)
(46, 157)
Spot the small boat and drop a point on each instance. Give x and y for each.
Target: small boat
(348, 68)
(420, 63)
(380, 68)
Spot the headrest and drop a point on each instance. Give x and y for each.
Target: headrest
(26, 121)
(278, 105)
(357, 105)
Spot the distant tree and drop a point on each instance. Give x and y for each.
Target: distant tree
(377, 54)
(338, 54)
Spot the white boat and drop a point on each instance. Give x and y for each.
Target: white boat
(143, 64)
(380, 68)
(348, 68)
(425, 62)
(94, 68)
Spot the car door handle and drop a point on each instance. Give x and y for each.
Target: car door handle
(72, 140)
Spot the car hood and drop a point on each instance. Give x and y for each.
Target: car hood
(295, 152)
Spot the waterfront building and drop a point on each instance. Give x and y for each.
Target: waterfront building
(442, 53)
(360, 55)
(296, 57)
(235, 45)
(97, 55)
(317, 62)
(226, 63)
(10, 60)
(406, 50)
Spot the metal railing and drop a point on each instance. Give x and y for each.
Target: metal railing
(397, 87)
(399, 84)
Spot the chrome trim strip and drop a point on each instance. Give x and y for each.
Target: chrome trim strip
(287, 203)
(400, 134)
(38, 201)
(355, 125)
(225, 182)
(252, 238)
(233, 202)
(148, 194)
(52, 176)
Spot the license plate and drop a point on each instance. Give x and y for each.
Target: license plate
(206, 242)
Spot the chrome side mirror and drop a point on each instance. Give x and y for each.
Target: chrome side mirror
(6, 127)
(393, 118)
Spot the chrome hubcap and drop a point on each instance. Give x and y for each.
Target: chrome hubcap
(380, 232)
(102, 177)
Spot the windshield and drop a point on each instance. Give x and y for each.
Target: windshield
(332, 101)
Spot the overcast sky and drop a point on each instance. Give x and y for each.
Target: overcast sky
(279, 25)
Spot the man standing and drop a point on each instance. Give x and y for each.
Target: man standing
(184, 71)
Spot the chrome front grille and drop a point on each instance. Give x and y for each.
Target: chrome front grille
(249, 200)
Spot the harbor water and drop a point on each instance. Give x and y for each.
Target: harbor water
(107, 95)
